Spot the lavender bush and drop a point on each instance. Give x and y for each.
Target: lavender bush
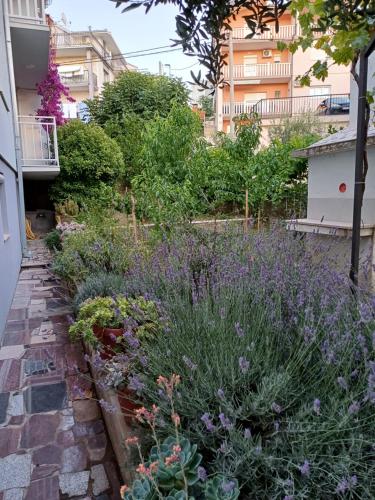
(276, 360)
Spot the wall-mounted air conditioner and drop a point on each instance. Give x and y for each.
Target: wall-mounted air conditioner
(267, 53)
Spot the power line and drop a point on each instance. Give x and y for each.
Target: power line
(187, 67)
(127, 55)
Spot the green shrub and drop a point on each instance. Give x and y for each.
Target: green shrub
(52, 240)
(101, 284)
(91, 163)
(93, 250)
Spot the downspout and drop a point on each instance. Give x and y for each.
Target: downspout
(17, 135)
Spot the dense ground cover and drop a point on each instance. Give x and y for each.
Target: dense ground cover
(275, 355)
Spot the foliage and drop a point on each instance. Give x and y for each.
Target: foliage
(199, 26)
(105, 248)
(52, 240)
(67, 208)
(117, 312)
(51, 89)
(100, 284)
(173, 468)
(307, 125)
(90, 162)
(206, 103)
(276, 359)
(165, 188)
(142, 94)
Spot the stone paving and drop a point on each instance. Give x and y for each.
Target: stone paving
(53, 444)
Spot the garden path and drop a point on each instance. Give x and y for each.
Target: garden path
(53, 444)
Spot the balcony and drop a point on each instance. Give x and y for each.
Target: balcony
(82, 80)
(285, 33)
(243, 73)
(40, 159)
(66, 42)
(26, 11)
(322, 105)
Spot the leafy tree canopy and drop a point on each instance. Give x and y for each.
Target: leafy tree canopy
(145, 95)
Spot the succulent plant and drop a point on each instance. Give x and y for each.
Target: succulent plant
(142, 489)
(221, 488)
(171, 475)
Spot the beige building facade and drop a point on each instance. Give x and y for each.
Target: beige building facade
(86, 61)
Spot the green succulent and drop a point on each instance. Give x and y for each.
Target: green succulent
(142, 489)
(171, 476)
(216, 489)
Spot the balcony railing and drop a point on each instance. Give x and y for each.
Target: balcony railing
(285, 33)
(79, 80)
(74, 40)
(38, 141)
(332, 104)
(27, 10)
(268, 70)
(319, 104)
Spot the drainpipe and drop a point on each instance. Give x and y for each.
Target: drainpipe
(17, 135)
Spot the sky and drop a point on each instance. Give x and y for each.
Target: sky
(132, 31)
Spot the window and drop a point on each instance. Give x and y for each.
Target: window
(277, 59)
(250, 65)
(320, 90)
(277, 94)
(70, 110)
(4, 228)
(106, 76)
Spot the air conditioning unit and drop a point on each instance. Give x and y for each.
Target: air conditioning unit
(267, 53)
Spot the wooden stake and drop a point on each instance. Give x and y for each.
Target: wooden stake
(134, 218)
(259, 219)
(246, 225)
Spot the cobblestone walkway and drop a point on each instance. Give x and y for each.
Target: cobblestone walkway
(53, 444)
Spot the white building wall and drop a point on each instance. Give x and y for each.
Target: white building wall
(10, 245)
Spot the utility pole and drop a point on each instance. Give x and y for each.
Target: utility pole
(231, 86)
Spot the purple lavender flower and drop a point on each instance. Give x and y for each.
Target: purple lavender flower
(276, 408)
(221, 394)
(189, 363)
(131, 340)
(247, 433)
(135, 384)
(239, 330)
(202, 474)
(316, 406)
(354, 408)
(288, 497)
(342, 383)
(206, 419)
(222, 313)
(225, 422)
(244, 364)
(228, 486)
(305, 468)
(108, 407)
(78, 392)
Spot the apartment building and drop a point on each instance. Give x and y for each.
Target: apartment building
(265, 79)
(87, 60)
(28, 146)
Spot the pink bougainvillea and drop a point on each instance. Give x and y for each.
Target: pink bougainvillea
(51, 89)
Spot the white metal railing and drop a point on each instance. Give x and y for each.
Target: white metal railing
(27, 10)
(71, 40)
(249, 71)
(239, 107)
(285, 33)
(38, 141)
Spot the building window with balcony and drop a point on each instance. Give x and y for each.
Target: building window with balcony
(277, 94)
(4, 228)
(277, 59)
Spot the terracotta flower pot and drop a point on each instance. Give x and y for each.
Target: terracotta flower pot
(127, 405)
(107, 336)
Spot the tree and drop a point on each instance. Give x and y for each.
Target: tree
(207, 105)
(127, 104)
(90, 162)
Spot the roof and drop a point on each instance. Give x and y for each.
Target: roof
(344, 140)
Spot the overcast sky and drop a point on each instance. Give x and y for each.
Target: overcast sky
(132, 31)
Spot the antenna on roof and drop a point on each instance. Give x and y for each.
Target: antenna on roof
(64, 19)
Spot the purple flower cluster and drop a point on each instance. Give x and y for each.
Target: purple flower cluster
(206, 419)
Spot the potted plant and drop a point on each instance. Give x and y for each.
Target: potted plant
(111, 322)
